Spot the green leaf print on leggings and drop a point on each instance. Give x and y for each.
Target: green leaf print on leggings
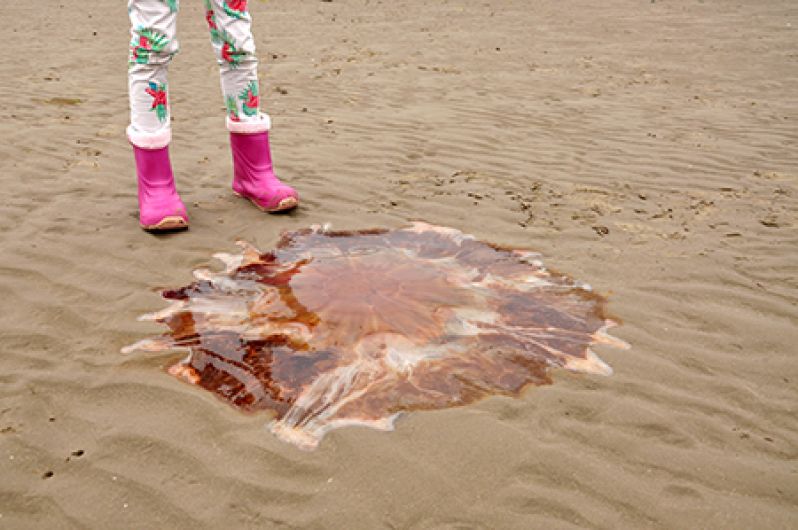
(146, 42)
(232, 108)
(172, 5)
(250, 102)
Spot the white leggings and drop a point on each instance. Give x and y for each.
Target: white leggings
(154, 42)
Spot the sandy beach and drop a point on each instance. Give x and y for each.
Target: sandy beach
(649, 148)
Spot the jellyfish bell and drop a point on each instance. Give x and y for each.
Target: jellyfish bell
(397, 352)
(332, 329)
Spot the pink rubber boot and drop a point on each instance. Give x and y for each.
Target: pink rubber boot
(160, 207)
(253, 176)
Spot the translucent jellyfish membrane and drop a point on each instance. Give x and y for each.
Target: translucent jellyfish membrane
(353, 328)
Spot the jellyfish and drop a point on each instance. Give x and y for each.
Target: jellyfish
(338, 328)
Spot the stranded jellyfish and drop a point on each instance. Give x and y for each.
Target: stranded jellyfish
(353, 328)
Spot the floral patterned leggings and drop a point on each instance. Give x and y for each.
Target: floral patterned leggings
(154, 43)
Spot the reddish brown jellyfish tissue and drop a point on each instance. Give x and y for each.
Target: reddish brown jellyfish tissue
(332, 329)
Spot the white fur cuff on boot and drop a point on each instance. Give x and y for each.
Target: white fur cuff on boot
(263, 123)
(143, 140)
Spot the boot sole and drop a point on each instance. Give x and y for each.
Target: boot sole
(284, 205)
(172, 222)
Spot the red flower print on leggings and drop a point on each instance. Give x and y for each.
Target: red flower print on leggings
(236, 8)
(158, 93)
(230, 54)
(210, 18)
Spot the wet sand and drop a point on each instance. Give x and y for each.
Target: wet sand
(648, 148)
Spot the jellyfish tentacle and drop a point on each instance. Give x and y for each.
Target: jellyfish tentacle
(249, 253)
(590, 364)
(314, 411)
(603, 337)
(163, 314)
(151, 345)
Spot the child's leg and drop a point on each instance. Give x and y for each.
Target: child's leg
(152, 47)
(230, 25)
(253, 176)
(153, 43)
